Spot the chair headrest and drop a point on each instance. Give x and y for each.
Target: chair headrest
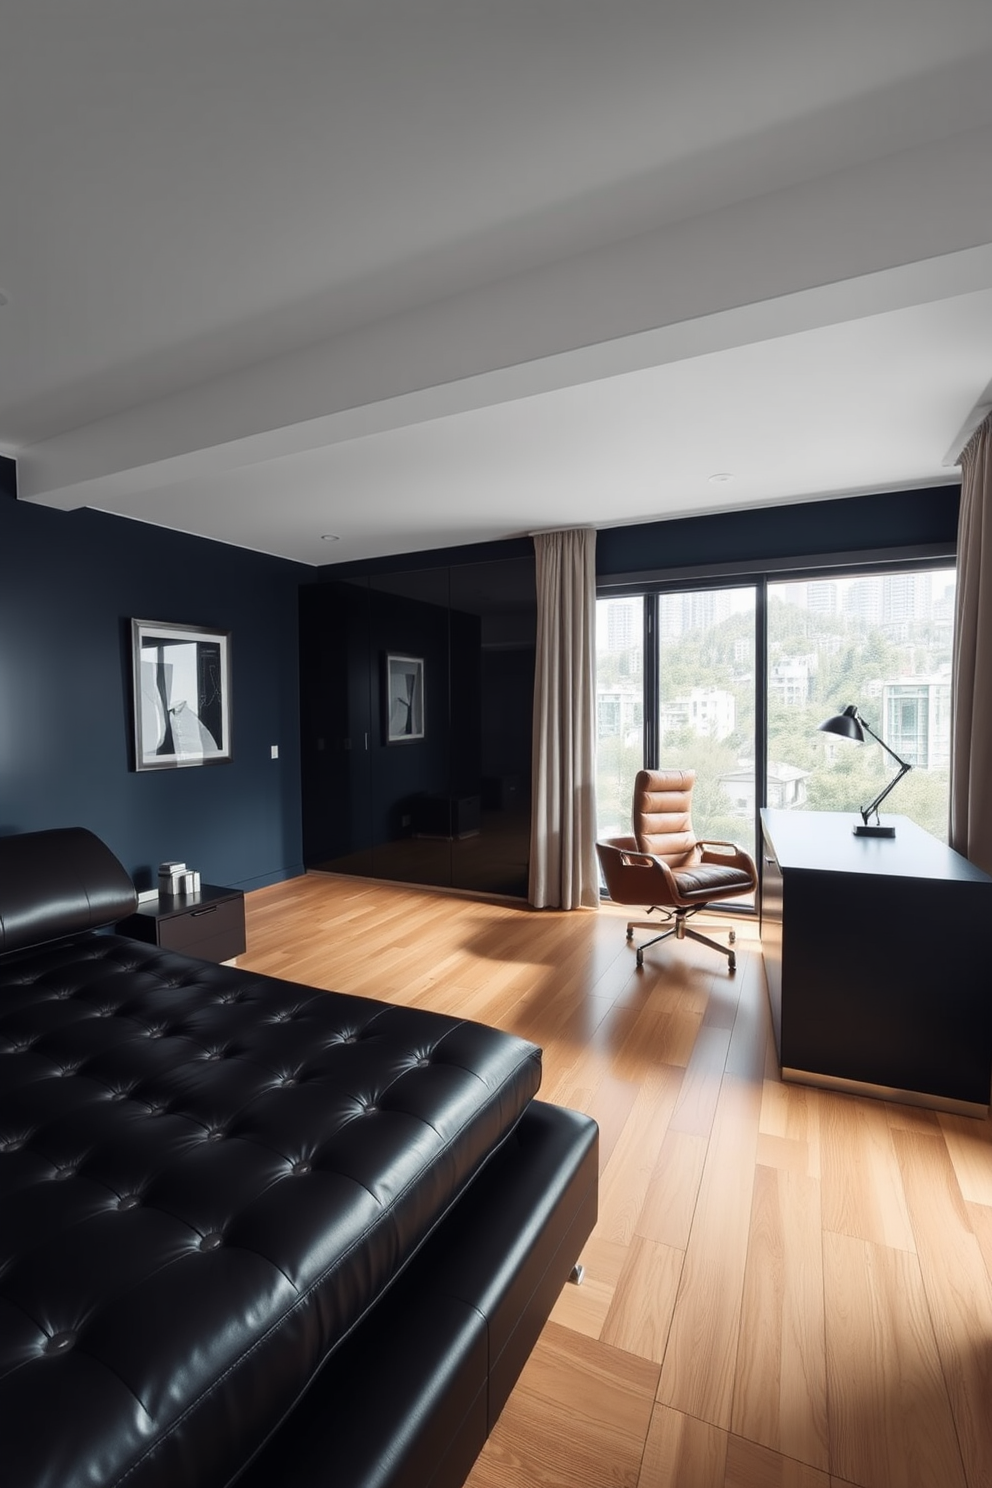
(661, 812)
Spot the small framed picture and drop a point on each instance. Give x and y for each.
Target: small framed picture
(404, 698)
(182, 695)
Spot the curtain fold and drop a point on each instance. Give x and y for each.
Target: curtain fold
(971, 749)
(563, 867)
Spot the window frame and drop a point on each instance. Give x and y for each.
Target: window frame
(651, 584)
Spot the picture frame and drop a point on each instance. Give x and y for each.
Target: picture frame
(181, 695)
(403, 701)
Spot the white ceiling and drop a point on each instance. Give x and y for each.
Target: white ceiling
(426, 272)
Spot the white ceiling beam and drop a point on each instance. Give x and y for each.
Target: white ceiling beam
(849, 244)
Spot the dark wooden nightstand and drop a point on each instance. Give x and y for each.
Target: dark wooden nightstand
(209, 924)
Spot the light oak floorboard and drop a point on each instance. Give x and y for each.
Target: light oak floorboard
(600, 1400)
(683, 1452)
(970, 1144)
(958, 1291)
(698, 1370)
(780, 1387)
(626, 1177)
(670, 1202)
(790, 1114)
(890, 1416)
(651, 1272)
(786, 1288)
(862, 1191)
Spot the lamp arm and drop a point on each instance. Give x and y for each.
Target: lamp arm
(904, 769)
(873, 806)
(879, 740)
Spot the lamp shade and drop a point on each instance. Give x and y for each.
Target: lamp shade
(847, 724)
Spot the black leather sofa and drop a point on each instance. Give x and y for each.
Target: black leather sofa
(250, 1231)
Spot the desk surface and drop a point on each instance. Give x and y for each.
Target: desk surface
(824, 842)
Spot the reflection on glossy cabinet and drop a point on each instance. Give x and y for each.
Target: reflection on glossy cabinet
(452, 806)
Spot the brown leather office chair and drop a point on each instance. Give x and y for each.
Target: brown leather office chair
(663, 865)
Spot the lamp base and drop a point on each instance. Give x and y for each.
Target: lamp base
(861, 829)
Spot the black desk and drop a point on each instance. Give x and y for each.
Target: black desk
(876, 960)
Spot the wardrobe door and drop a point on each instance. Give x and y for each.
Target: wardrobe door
(335, 704)
(493, 647)
(414, 814)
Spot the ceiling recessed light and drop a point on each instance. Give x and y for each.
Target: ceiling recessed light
(720, 477)
(329, 537)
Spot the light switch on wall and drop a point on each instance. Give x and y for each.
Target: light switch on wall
(275, 751)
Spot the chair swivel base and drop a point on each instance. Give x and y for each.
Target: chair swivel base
(681, 931)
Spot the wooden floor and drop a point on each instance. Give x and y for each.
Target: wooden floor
(786, 1287)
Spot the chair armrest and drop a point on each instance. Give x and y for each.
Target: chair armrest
(729, 855)
(669, 877)
(632, 876)
(625, 851)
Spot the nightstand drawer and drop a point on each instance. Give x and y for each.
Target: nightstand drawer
(210, 924)
(205, 928)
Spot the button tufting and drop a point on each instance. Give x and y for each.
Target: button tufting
(128, 1201)
(216, 1135)
(211, 1241)
(67, 1172)
(302, 1168)
(58, 1343)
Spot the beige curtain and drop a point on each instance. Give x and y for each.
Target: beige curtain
(563, 871)
(971, 753)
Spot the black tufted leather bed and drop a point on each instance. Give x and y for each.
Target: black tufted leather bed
(250, 1231)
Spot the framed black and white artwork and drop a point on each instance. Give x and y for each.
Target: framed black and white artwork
(182, 695)
(404, 698)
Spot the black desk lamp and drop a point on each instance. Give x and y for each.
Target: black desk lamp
(850, 725)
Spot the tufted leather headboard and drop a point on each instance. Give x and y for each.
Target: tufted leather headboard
(57, 883)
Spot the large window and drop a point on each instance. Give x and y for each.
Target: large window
(733, 679)
(883, 643)
(706, 697)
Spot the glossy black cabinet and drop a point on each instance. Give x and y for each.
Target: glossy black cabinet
(449, 803)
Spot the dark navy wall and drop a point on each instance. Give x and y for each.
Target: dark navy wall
(70, 582)
(811, 529)
(926, 517)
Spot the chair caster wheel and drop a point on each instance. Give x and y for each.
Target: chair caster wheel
(732, 937)
(733, 963)
(640, 962)
(630, 936)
